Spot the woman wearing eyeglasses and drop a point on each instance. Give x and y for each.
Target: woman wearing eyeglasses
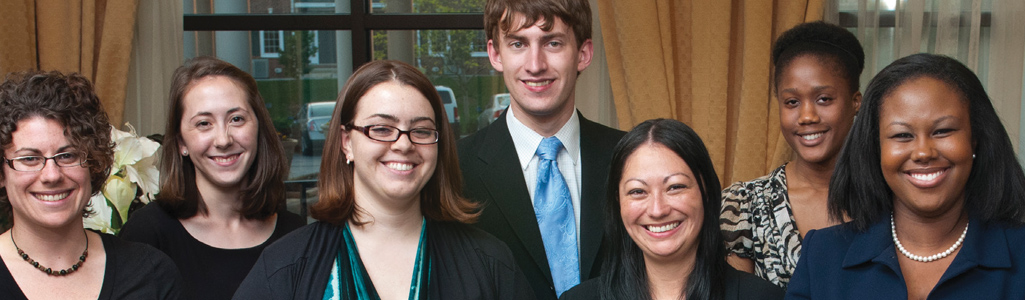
(56, 155)
(391, 220)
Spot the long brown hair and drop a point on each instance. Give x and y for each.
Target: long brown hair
(263, 186)
(440, 198)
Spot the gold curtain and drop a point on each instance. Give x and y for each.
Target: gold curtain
(706, 63)
(91, 37)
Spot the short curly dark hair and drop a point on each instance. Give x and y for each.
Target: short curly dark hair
(71, 101)
(828, 42)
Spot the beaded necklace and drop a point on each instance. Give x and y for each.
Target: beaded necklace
(48, 271)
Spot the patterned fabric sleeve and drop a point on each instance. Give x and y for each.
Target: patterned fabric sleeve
(735, 220)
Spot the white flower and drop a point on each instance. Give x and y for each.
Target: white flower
(100, 207)
(134, 170)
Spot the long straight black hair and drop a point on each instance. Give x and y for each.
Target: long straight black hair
(996, 185)
(625, 276)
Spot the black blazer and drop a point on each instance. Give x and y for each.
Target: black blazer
(493, 177)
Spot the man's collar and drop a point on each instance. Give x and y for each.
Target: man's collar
(527, 140)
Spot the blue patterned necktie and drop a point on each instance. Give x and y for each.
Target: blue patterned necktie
(553, 208)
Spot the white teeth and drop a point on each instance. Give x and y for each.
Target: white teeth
(663, 228)
(400, 166)
(925, 177)
(222, 159)
(811, 136)
(53, 197)
(538, 83)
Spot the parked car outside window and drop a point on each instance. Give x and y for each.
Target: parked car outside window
(309, 123)
(451, 108)
(498, 104)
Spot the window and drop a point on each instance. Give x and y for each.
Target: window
(443, 38)
(271, 42)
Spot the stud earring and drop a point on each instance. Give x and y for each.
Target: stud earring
(973, 155)
(185, 152)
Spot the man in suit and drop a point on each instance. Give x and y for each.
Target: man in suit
(540, 46)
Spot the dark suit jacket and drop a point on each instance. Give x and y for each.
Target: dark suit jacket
(840, 263)
(493, 177)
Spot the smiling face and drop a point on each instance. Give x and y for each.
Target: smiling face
(219, 131)
(660, 203)
(816, 109)
(540, 67)
(926, 146)
(396, 170)
(54, 196)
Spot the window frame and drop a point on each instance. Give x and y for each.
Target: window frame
(263, 43)
(361, 22)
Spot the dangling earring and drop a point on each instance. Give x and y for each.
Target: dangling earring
(348, 161)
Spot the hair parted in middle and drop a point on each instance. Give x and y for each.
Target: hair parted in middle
(995, 190)
(625, 276)
(262, 187)
(440, 198)
(499, 16)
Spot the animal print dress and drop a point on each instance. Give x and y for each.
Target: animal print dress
(757, 223)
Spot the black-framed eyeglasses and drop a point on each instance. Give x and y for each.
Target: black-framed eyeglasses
(385, 133)
(36, 163)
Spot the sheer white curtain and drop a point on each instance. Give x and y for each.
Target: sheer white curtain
(156, 51)
(986, 35)
(594, 90)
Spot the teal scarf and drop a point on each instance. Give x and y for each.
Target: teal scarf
(349, 279)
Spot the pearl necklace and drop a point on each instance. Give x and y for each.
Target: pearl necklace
(893, 229)
(48, 271)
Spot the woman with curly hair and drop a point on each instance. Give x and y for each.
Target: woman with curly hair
(56, 155)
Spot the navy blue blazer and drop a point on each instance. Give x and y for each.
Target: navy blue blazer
(840, 263)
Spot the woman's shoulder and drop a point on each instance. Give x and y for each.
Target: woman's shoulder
(287, 222)
(743, 285)
(830, 247)
(832, 236)
(765, 187)
(299, 243)
(129, 252)
(139, 269)
(151, 215)
(463, 235)
(305, 235)
(586, 290)
(152, 225)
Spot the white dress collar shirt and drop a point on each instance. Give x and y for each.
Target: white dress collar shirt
(527, 140)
